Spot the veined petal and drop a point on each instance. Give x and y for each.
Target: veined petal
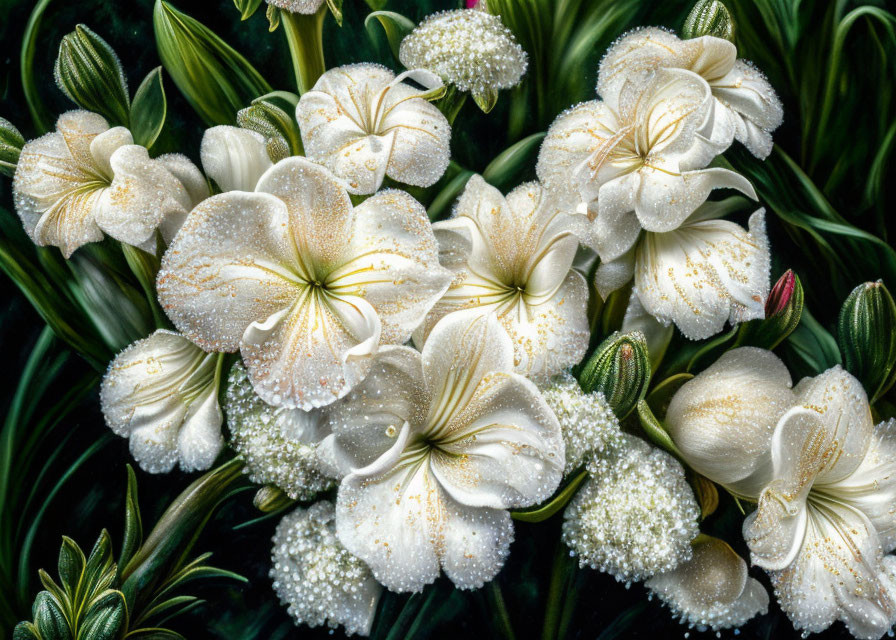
(634, 57)
(723, 420)
(199, 440)
(105, 144)
(320, 213)
(394, 263)
(704, 273)
(234, 158)
(182, 168)
(421, 147)
(314, 352)
(78, 129)
(747, 94)
(227, 268)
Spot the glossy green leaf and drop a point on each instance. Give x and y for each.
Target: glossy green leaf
(247, 7)
(655, 430)
(395, 26)
(149, 109)
(106, 618)
(71, 566)
(133, 525)
(49, 618)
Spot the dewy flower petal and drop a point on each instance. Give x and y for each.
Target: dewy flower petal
(73, 184)
(636, 516)
(704, 273)
(470, 49)
(363, 124)
(712, 590)
(162, 393)
(746, 107)
(513, 256)
(436, 447)
(722, 420)
(234, 158)
(279, 445)
(316, 578)
(816, 527)
(306, 7)
(306, 286)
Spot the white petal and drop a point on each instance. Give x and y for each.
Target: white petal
(723, 420)
(394, 264)
(634, 57)
(199, 440)
(421, 148)
(613, 275)
(476, 544)
(78, 129)
(616, 226)
(228, 268)
(105, 144)
(712, 589)
(657, 334)
(182, 168)
(143, 193)
(234, 158)
(705, 273)
(750, 96)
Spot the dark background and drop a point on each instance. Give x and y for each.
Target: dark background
(93, 497)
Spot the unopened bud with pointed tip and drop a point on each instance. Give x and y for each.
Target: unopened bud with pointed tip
(88, 71)
(11, 143)
(709, 18)
(279, 128)
(269, 499)
(620, 369)
(783, 310)
(867, 337)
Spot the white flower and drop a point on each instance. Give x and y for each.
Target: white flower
(297, 6)
(84, 179)
(723, 419)
(586, 420)
(162, 393)
(636, 516)
(279, 445)
(704, 273)
(470, 49)
(513, 256)
(712, 590)
(305, 285)
(827, 518)
(657, 335)
(636, 162)
(436, 447)
(363, 123)
(746, 105)
(234, 158)
(316, 578)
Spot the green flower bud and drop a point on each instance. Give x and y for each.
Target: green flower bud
(783, 310)
(620, 369)
(279, 128)
(269, 499)
(11, 143)
(709, 18)
(214, 78)
(88, 72)
(866, 333)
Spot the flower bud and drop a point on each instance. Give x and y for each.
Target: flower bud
(11, 143)
(619, 369)
(214, 78)
(88, 71)
(783, 310)
(269, 499)
(280, 131)
(709, 18)
(866, 333)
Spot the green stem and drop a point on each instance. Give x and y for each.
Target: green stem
(500, 609)
(304, 34)
(451, 103)
(554, 505)
(26, 67)
(555, 600)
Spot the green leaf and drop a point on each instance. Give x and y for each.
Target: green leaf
(25, 631)
(153, 633)
(106, 618)
(49, 618)
(395, 25)
(171, 603)
(812, 347)
(509, 166)
(133, 525)
(149, 109)
(71, 566)
(555, 504)
(99, 574)
(654, 429)
(214, 78)
(335, 7)
(246, 7)
(40, 115)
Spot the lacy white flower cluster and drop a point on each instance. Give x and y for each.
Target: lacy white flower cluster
(396, 359)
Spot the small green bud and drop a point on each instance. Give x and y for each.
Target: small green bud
(246, 7)
(620, 369)
(11, 143)
(866, 333)
(88, 71)
(279, 128)
(709, 18)
(269, 499)
(783, 310)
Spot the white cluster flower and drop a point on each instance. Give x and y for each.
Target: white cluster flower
(297, 6)
(635, 517)
(470, 49)
(317, 578)
(278, 444)
(586, 420)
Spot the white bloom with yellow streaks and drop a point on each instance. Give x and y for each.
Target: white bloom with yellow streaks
(162, 393)
(747, 108)
(306, 286)
(364, 123)
(436, 447)
(234, 158)
(513, 256)
(85, 179)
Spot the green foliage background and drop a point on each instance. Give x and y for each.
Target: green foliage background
(825, 186)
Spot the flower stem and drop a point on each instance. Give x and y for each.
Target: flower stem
(500, 609)
(452, 102)
(559, 578)
(304, 34)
